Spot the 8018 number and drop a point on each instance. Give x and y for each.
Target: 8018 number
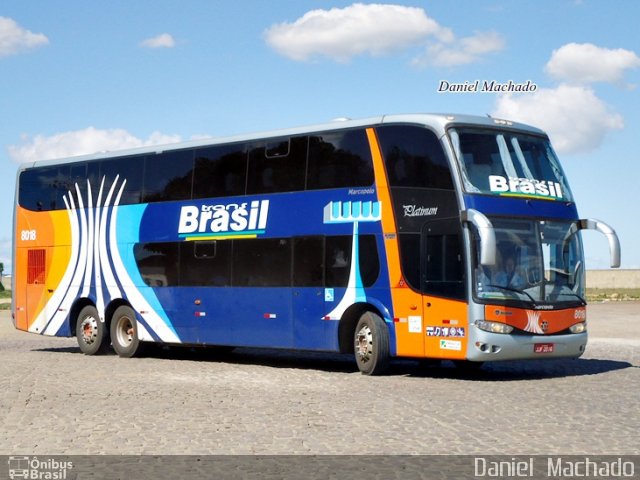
(27, 235)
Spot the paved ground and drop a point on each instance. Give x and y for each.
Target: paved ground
(54, 400)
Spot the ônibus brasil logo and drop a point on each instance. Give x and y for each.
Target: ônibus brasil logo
(234, 220)
(525, 187)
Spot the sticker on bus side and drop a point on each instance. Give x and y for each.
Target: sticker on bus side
(450, 345)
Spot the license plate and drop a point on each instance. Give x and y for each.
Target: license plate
(543, 348)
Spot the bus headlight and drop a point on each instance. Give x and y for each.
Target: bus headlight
(493, 327)
(578, 327)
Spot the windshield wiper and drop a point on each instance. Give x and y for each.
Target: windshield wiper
(582, 300)
(509, 289)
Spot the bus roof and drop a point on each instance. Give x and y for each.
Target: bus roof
(438, 122)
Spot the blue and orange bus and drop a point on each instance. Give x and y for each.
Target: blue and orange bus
(420, 236)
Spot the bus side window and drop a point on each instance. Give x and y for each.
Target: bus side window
(308, 261)
(337, 260)
(220, 171)
(124, 168)
(158, 263)
(414, 157)
(167, 176)
(339, 159)
(277, 166)
(263, 262)
(443, 272)
(410, 257)
(205, 263)
(369, 260)
(44, 188)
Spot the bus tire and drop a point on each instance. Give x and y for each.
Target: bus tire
(371, 344)
(124, 332)
(91, 333)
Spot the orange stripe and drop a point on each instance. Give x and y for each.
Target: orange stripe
(388, 217)
(406, 302)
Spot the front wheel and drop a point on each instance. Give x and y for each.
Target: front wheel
(124, 332)
(371, 344)
(91, 332)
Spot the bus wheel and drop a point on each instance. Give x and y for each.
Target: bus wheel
(91, 333)
(124, 332)
(371, 344)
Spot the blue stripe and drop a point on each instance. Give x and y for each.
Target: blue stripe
(496, 205)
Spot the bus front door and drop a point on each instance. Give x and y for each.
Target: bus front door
(443, 284)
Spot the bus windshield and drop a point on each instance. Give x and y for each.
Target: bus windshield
(538, 262)
(509, 164)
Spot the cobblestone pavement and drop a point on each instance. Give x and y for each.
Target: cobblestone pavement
(54, 400)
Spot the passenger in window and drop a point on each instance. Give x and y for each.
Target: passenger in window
(509, 276)
(484, 277)
(339, 259)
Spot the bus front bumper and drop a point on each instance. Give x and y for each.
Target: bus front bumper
(486, 346)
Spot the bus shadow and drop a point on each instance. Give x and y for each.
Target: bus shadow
(344, 363)
(517, 370)
(523, 370)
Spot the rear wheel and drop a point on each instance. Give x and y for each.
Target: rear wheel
(91, 333)
(124, 332)
(371, 344)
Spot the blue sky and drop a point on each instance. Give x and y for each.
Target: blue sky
(81, 76)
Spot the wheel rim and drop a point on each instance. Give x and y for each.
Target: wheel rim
(89, 329)
(364, 344)
(125, 331)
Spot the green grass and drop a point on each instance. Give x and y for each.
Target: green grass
(5, 294)
(612, 294)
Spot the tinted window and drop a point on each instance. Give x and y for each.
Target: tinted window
(158, 263)
(339, 159)
(337, 261)
(369, 261)
(167, 176)
(43, 189)
(308, 263)
(220, 171)
(205, 263)
(443, 260)
(277, 166)
(78, 181)
(262, 262)
(414, 157)
(126, 168)
(410, 258)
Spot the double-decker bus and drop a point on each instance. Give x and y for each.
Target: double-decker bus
(420, 236)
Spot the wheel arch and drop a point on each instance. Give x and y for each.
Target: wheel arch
(112, 307)
(348, 324)
(74, 313)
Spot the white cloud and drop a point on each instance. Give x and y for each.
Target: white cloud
(573, 116)
(588, 63)
(163, 40)
(342, 33)
(15, 39)
(461, 52)
(81, 142)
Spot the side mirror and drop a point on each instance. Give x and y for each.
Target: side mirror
(486, 232)
(607, 231)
